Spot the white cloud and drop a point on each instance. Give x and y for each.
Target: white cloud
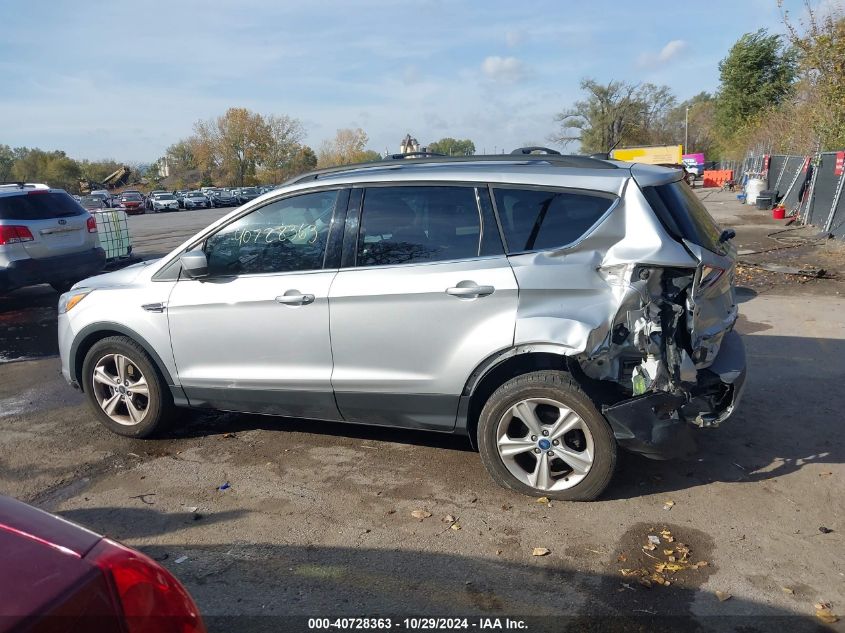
(507, 69)
(668, 53)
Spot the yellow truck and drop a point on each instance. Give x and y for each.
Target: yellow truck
(652, 155)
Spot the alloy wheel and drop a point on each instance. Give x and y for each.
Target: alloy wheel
(545, 444)
(121, 389)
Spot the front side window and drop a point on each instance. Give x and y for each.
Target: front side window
(541, 219)
(284, 236)
(405, 225)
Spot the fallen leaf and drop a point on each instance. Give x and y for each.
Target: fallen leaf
(421, 514)
(543, 500)
(645, 582)
(449, 518)
(668, 552)
(788, 590)
(668, 505)
(825, 474)
(819, 606)
(455, 526)
(826, 616)
(673, 567)
(671, 559)
(723, 595)
(650, 547)
(825, 530)
(701, 563)
(622, 558)
(540, 551)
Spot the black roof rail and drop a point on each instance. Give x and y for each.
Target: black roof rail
(412, 155)
(558, 160)
(536, 149)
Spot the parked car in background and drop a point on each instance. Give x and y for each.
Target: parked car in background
(164, 202)
(195, 200)
(105, 196)
(148, 200)
(45, 237)
(555, 309)
(59, 576)
(132, 202)
(246, 194)
(224, 198)
(93, 203)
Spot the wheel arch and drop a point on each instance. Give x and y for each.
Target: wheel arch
(91, 334)
(501, 367)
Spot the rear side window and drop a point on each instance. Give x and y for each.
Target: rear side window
(405, 225)
(534, 219)
(39, 206)
(684, 216)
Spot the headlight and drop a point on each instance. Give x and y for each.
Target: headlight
(68, 300)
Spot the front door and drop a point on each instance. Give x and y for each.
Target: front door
(430, 296)
(254, 335)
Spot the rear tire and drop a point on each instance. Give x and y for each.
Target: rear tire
(125, 388)
(565, 451)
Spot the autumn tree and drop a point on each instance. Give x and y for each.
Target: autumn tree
(282, 143)
(820, 42)
(348, 146)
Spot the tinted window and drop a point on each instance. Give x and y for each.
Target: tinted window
(39, 205)
(283, 236)
(403, 225)
(535, 220)
(683, 215)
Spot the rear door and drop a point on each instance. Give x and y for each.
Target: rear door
(426, 296)
(57, 222)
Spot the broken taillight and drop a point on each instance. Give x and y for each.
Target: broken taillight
(151, 599)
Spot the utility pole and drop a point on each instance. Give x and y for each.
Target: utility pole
(686, 131)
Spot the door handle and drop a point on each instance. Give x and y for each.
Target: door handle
(467, 291)
(295, 298)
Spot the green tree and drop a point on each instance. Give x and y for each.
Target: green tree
(7, 161)
(758, 73)
(453, 147)
(614, 114)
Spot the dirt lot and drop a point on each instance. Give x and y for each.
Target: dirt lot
(317, 521)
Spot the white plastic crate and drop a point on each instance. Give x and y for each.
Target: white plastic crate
(113, 230)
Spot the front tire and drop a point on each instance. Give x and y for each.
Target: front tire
(541, 435)
(124, 388)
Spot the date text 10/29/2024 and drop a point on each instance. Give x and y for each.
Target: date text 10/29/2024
(418, 624)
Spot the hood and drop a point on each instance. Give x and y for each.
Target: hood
(122, 277)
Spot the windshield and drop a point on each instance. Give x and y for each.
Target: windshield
(92, 201)
(250, 191)
(132, 197)
(165, 196)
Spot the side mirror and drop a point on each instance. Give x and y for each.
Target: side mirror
(194, 264)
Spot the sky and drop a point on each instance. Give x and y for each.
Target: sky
(124, 80)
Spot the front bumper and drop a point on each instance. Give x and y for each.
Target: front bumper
(73, 267)
(660, 425)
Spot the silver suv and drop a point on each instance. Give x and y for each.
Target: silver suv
(45, 237)
(552, 308)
